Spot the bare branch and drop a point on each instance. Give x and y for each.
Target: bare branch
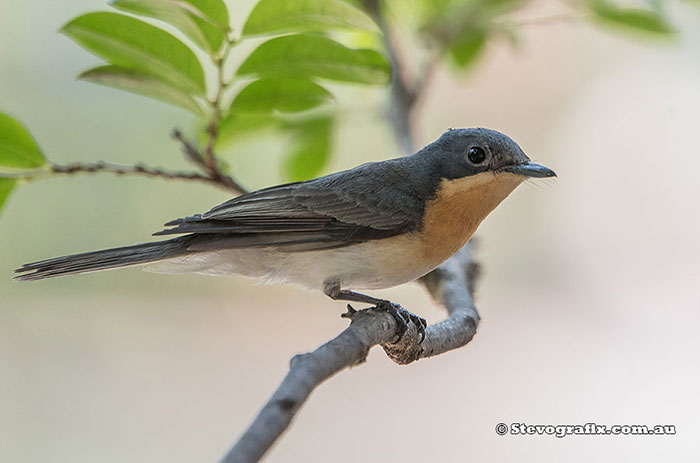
(451, 285)
(190, 150)
(102, 166)
(306, 372)
(137, 169)
(216, 176)
(426, 73)
(404, 94)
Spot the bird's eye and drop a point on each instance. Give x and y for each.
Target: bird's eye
(476, 155)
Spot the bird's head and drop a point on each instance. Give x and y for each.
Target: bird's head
(472, 171)
(468, 152)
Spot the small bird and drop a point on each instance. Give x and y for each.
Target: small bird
(375, 226)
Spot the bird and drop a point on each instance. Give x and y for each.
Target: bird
(375, 226)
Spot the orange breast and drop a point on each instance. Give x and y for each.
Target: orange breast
(458, 209)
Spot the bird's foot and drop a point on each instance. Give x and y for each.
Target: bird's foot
(405, 349)
(403, 317)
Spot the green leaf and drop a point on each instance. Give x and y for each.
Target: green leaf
(631, 18)
(136, 81)
(468, 47)
(18, 149)
(128, 42)
(284, 95)
(6, 187)
(239, 125)
(360, 39)
(279, 16)
(203, 21)
(305, 55)
(311, 149)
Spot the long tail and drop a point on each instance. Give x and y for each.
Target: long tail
(105, 259)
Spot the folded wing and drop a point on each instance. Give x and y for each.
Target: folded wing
(369, 202)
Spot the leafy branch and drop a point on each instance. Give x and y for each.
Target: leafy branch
(21, 153)
(285, 75)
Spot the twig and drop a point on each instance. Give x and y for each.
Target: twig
(205, 158)
(404, 94)
(451, 285)
(221, 85)
(191, 151)
(137, 169)
(426, 74)
(216, 176)
(102, 166)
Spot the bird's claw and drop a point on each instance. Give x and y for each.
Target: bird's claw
(403, 317)
(349, 314)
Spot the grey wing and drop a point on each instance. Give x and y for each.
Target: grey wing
(369, 202)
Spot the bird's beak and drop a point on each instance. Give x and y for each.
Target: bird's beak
(531, 169)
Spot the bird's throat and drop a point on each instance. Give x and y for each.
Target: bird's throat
(460, 205)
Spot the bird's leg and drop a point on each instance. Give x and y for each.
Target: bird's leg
(401, 315)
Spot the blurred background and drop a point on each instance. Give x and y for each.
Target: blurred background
(590, 299)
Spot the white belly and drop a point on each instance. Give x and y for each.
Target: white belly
(370, 265)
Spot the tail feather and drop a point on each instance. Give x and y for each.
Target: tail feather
(101, 260)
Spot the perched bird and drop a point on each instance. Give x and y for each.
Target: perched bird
(378, 225)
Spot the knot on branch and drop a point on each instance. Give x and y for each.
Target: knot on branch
(406, 350)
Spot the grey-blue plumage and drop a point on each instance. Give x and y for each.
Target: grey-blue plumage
(383, 202)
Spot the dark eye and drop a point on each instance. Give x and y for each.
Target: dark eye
(476, 155)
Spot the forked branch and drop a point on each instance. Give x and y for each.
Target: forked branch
(451, 285)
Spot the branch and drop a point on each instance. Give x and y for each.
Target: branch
(426, 73)
(102, 166)
(451, 285)
(213, 177)
(193, 154)
(209, 157)
(404, 94)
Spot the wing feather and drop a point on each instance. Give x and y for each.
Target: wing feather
(371, 201)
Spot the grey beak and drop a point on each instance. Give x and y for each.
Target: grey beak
(531, 169)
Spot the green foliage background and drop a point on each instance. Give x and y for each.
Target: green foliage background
(284, 75)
